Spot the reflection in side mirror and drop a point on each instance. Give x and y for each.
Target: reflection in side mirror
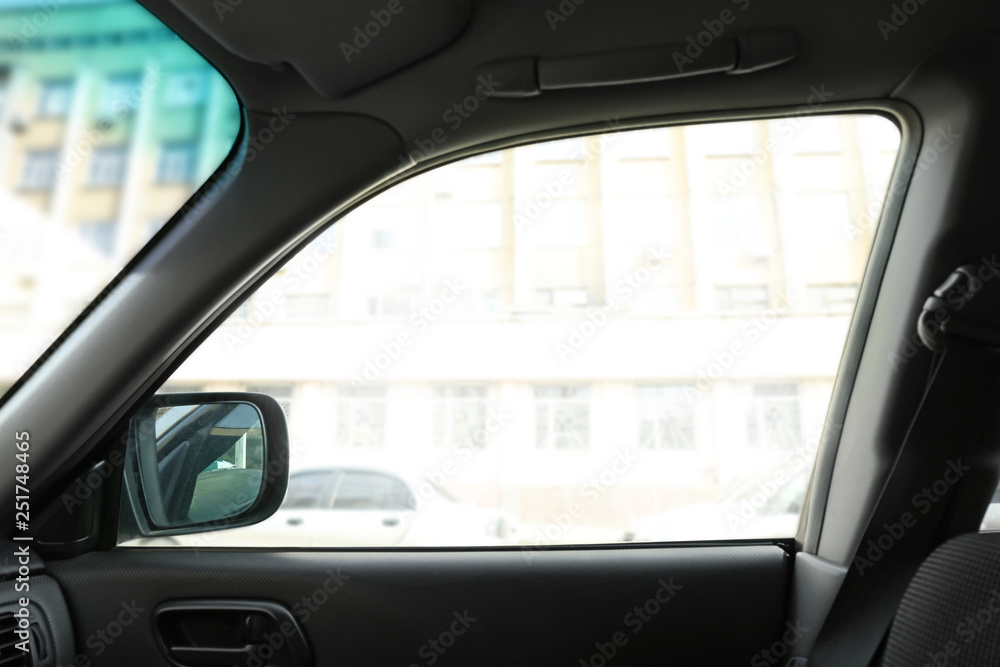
(205, 461)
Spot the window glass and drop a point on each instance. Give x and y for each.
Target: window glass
(308, 490)
(117, 97)
(39, 171)
(773, 417)
(55, 98)
(562, 417)
(370, 491)
(666, 417)
(186, 88)
(590, 341)
(90, 93)
(100, 235)
(107, 167)
(459, 416)
(361, 417)
(176, 163)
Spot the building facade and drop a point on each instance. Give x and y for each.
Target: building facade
(667, 304)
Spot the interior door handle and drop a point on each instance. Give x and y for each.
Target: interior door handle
(202, 633)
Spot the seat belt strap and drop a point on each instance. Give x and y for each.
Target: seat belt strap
(905, 525)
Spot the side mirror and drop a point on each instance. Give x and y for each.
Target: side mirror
(204, 461)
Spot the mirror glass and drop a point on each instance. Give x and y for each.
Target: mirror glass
(200, 463)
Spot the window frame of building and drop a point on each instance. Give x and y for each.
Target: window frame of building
(737, 226)
(197, 80)
(116, 96)
(100, 234)
(305, 306)
(55, 98)
(452, 402)
(401, 303)
(726, 300)
(352, 402)
(843, 299)
(652, 400)
(765, 398)
(108, 166)
(176, 162)
(549, 402)
(37, 176)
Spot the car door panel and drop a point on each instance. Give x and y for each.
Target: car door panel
(700, 605)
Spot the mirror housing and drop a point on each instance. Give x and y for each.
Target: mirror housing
(204, 461)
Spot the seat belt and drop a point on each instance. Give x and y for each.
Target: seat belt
(947, 429)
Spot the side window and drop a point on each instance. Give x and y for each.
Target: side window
(103, 138)
(630, 336)
(371, 491)
(308, 491)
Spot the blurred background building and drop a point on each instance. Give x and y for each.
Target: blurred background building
(108, 122)
(514, 322)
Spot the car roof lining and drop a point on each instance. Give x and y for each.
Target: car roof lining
(866, 67)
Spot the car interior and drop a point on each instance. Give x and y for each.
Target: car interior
(115, 546)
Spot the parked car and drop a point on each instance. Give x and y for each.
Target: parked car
(367, 507)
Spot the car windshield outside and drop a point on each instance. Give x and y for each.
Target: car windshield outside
(108, 123)
(632, 335)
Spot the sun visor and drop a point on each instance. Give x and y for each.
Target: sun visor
(337, 46)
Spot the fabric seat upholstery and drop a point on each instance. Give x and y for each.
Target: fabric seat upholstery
(950, 613)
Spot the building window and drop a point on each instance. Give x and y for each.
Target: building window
(562, 418)
(576, 297)
(242, 311)
(306, 306)
(55, 98)
(186, 89)
(361, 417)
(282, 393)
(732, 220)
(459, 414)
(773, 416)
(100, 235)
(39, 171)
(390, 305)
(383, 238)
(745, 298)
(119, 96)
(563, 224)
(837, 298)
(826, 216)
(486, 303)
(666, 418)
(177, 161)
(471, 226)
(107, 167)
(641, 221)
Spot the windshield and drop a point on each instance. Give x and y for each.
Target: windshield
(108, 123)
